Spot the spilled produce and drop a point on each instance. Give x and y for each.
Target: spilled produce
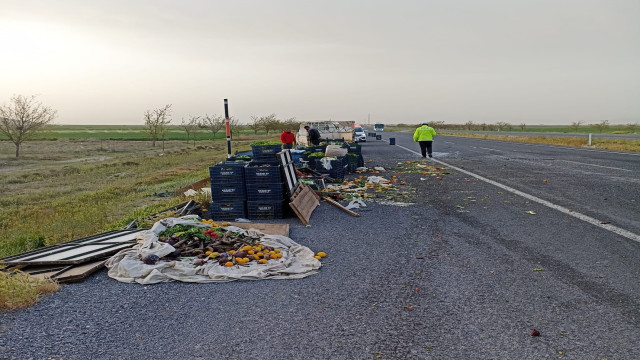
(191, 250)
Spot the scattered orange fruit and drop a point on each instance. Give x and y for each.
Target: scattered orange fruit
(228, 264)
(317, 257)
(322, 254)
(262, 261)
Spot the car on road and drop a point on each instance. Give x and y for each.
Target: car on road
(359, 134)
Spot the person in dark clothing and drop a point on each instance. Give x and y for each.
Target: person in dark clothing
(313, 134)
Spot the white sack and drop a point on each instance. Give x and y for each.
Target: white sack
(335, 150)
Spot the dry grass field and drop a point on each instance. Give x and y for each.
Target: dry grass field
(59, 190)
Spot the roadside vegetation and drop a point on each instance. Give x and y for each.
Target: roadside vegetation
(20, 290)
(602, 127)
(596, 143)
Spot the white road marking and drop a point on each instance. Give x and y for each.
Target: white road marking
(602, 166)
(489, 149)
(575, 214)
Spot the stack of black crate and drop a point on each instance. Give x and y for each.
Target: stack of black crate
(264, 185)
(228, 192)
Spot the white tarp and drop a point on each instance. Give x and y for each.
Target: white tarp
(126, 266)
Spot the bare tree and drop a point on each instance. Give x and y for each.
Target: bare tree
(576, 125)
(523, 126)
(255, 124)
(601, 126)
(469, 125)
(502, 125)
(290, 123)
(233, 124)
(213, 123)
(190, 125)
(156, 121)
(270, 122)
(483, 126)
(631, 127)
(22, 118)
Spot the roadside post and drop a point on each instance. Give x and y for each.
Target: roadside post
(226, 127)
(589, 139)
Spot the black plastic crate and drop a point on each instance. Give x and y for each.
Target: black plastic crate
(352, 162)
(265, 191)
(338, 168)
(271, 161)
(354, 148)
(265, 209)
(228, 210)
(264, 174)
(260, 151)
(230, 190)
(317, 148)
(227, 171)
(237, 158)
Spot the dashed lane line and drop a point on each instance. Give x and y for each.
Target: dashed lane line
(614, 229)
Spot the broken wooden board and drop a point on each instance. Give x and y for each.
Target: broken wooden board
(303, 201)
(269, 229)
(77, 251)
(64, 274)
(196, 186)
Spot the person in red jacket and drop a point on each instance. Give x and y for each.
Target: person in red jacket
(288, 139)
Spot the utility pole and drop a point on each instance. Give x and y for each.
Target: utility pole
(226, 125)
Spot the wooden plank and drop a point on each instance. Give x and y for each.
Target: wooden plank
(270, 229)
(337, 204)
(78, 251)
(303, 202)
(67, 274)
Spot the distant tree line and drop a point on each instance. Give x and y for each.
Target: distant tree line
(505, 126)
(157, 121)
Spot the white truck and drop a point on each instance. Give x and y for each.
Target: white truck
(378, 127)
(328, 130)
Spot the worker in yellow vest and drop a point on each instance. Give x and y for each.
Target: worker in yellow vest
(424, 136)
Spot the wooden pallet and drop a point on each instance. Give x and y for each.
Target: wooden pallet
(303, 201)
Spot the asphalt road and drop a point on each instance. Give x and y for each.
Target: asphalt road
(531, 133)
(464, 273)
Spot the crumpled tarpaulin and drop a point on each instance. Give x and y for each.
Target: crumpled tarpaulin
(126, 266)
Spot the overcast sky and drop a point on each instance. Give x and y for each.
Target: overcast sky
(537, 62)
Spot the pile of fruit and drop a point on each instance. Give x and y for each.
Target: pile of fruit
(225, 247)
(258, 253)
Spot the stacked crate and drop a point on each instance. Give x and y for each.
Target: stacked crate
(356, 148)
(266, 154)
(265, 191)
(228, 192)
(337, 170)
